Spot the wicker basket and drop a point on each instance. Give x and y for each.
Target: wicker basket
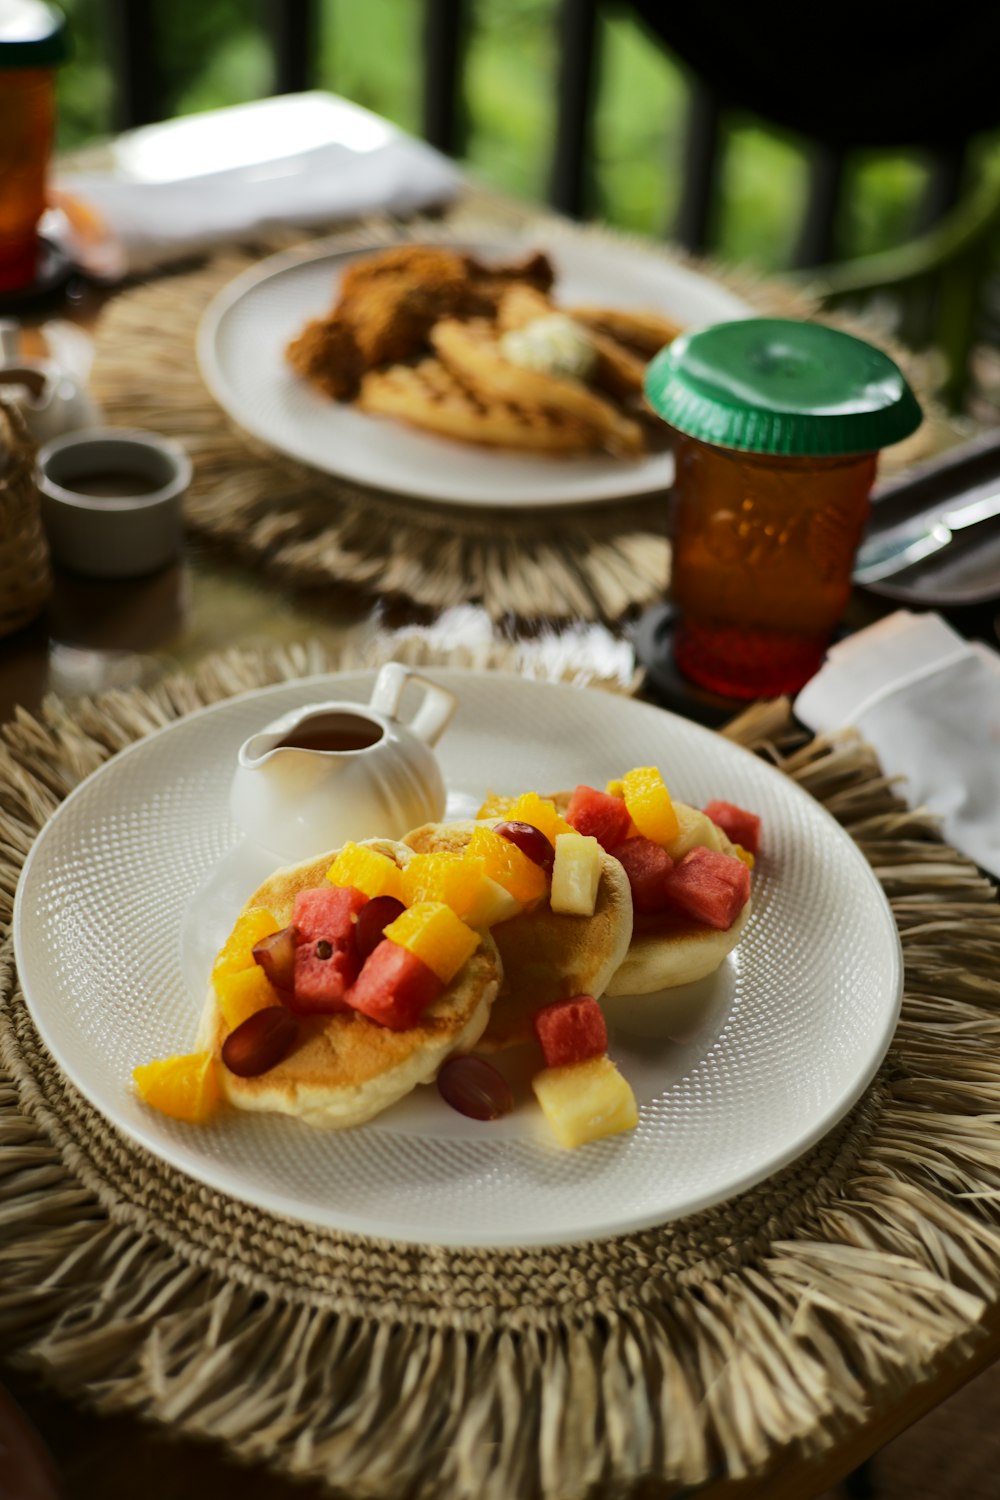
(25, 580)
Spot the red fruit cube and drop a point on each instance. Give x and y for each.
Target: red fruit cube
(394, 987)
(711, 888)
(326, 951)
(601, 817)
(570, 1031)
(647, 866)
(739, 826)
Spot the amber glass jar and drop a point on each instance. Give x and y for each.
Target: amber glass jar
(777, 427)
(32, 41)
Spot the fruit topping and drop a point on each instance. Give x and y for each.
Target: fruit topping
(186, 1088)
(261, 1042)
(585, 1101)
(238, 950)
(649, 804)
(739, 826)
(541, 812)
(570, 1031)
(475, 1088)
(460, 883)
(694, 830)
(242, 994)
(494, 806)
(744, 854)
(367, 870)
(373, 919)
(432, 932)
(504, 862)
(647, 866)
(603, 817)
(276, 956)
(709, 887)
(530, 840)
(576, 874)
(394, 987)
(326, 950)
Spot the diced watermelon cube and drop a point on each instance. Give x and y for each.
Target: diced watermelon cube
(326, 951)
(570, 1031)
(711, 888)
(647, 866)
(601, 817)
(739, 826)
(394, 987)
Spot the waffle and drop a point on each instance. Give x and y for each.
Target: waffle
(428, 395)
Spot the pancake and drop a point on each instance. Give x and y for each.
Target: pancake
(345, 1068)
(668, 949)
(546, 956)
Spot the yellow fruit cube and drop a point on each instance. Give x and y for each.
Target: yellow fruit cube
(649, 804)
(494, 806)
(576, 874)
(615, 788)
(237, 952)
(586, 1100)
(367, 870)
(240, 994)
(504, 863)
(540, 812)
(694, 830)
(460, 883)
(186, 1088)
(744, 854)
(432, 932)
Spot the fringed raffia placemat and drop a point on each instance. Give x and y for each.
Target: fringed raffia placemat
(313, 530)
(393, 1371)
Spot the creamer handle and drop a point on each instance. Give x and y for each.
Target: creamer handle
(434, 714)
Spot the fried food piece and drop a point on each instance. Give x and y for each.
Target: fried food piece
(392, 299)
(644, 332)
(488, 284)
(471, 352)
(428, 266)
(326, 353)
(427, 395)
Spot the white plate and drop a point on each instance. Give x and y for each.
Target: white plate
(244, 332)
(134, 882)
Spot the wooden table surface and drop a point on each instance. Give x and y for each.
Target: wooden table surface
(99, 634)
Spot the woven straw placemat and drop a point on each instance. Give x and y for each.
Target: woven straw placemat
(313, 530)
(611, 1368)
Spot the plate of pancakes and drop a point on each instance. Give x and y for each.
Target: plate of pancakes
(135, 883)
(391, 367)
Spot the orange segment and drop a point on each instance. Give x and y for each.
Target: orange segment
(186, 1088)
(241, 994)
(432, 932)
(367, 870)
(443, 876)
(504, 863)
(540, 812)
(237, 952)
(494, 806)
(744, 854)
(649, 804)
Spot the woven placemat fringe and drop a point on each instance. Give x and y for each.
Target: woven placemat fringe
(659, 1358)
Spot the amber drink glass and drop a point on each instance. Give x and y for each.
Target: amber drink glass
(32, 41)
(777, 427)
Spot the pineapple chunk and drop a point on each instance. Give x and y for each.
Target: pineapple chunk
(694, 830)
(237, 952)
(586, 1100)
(492, 905)
(432, 932)
(649, 804)
(241, 994)
(576, 874)
(366, 870)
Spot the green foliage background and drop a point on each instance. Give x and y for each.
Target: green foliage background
(215, 52)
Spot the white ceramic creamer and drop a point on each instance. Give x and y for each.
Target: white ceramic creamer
(330, 772)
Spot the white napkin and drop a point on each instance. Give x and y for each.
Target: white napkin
(294, 161)
(929, 704)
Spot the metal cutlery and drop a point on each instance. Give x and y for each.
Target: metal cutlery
(882, 557)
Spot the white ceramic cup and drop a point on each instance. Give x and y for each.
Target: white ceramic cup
(119, 535)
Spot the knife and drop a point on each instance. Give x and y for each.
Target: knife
(882, 557)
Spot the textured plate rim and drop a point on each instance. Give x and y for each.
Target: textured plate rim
(216, 381)
(198, 1167)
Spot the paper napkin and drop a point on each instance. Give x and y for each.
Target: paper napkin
(929, 704)
(182, 187)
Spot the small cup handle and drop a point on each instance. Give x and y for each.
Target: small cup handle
(435, 712)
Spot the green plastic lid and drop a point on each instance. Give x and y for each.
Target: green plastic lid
(774, 385)
(32, 35)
